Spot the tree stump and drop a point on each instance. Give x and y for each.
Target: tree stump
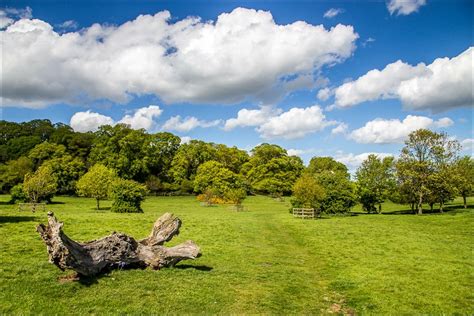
(116, 250)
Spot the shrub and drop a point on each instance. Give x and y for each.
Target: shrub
(17, 194)
(127, 196)
(307, 192)
(40, 186)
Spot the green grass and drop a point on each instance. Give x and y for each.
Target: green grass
(258, 261)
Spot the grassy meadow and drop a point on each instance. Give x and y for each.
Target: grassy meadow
(259, 261)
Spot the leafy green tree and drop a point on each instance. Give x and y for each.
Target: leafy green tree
(40, 186)
(17, 194)
(223, 182)
(45, 151)
(127, 196)
(18, 147)
(13, 172)
(231, 157)
(96, 183)
(67, 170)
(464, 171)
(307, 192)
(320, 164)
(425, 153)
(335, 180)
(188, 158)
(375, 182)
(271, 171)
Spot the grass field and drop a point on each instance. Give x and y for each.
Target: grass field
(261, 260)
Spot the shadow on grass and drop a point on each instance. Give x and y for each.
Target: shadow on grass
(453, 209)
(189, 266)
(55, 202)
(16, 219)
(6, 203)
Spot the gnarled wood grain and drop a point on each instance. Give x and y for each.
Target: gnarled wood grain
(116, 250)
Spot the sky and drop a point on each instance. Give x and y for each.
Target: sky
(319, 78)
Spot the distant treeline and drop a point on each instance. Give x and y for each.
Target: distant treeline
(429, 169)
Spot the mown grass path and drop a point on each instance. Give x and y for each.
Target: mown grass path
(258, 261)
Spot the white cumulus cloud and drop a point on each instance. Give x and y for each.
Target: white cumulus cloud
(442, 85)
(176, 123)
(340, 129)
(91, 121)
(243, 55)
(381, 131)
(295, 123)
(404, 7)
(143, 118)
(256, 117)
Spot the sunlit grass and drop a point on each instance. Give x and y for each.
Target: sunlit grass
(259, 261)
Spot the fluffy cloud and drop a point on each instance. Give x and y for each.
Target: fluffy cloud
(90, 121)
(176, 123)
(404, 7)
(354, 161)
(246, 117)
(380, 131)
(444, 84)
(295, 123)
(324, 94)
(8, 15)
(243, 55)
(185, 139)
(332, 12)
(143, 118)
(340, 129)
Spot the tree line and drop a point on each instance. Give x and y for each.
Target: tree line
(55, 157)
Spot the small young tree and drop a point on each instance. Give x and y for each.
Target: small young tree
(40, 185)
(17, 194)
(127, 196)
(96, 183)
(375, 181)
(307, 192)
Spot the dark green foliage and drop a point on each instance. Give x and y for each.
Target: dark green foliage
(335, 179)
(375, 182)
(17, 194)
(224, 183)
(127, 196)
(13, 172)
(271, 171)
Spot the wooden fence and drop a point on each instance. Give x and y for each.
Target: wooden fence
(305, 212)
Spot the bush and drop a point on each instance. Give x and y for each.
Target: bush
(17, 194)
(307, 192)
(127, 196)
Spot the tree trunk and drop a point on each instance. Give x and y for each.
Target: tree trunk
(465, 202)
(380, 208)
(431, 206)
(97, 201)
(441, 204)
(116, 250)
(420, 204)
(413, 207)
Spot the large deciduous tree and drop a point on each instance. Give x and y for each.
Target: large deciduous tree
(424, 158)
(96, 183)
(375, 182)
(213, 176)
(271, 171)
(335, 179)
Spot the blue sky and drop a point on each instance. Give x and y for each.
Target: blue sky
(342, 84)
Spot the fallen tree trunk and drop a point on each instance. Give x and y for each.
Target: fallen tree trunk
(116, 250)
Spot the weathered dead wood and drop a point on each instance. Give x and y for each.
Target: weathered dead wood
(116, 250)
